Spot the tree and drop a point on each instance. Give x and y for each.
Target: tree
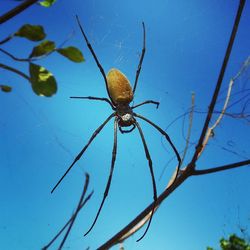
(190, 169)
(233, 243)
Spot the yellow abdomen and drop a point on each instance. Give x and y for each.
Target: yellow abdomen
(119, 87)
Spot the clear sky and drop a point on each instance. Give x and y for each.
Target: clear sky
(39, 136)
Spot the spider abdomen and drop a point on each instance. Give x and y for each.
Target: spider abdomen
(119, 87)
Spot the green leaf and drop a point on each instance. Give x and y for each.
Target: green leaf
(47, 3)
(5, 88)
(43, 48)
(233, 243)
(72, 53)
(235, 240)
(42, 81)
(224, 243)
(31, 32)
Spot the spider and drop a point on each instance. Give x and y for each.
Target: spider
(121, 95)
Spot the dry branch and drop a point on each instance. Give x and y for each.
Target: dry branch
(15, 11)
(189, 170)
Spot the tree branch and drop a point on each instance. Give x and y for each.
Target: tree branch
(222, 168)
(119, 236)
(190, 168)
(15, 71)
(5, 40)
(15, 11)
(70, 222)
(13, 57)
(218, 85)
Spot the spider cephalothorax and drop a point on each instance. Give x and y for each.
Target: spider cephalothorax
(125, 116)
(121, 95)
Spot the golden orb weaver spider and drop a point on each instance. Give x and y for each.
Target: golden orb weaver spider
(121, 95)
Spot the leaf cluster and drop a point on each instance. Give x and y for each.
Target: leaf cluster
(233, 243)
(42, 81)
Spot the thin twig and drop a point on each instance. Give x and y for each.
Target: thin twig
(29, 59)
(191, 112)
(189, 128)
(221, 168)
(18, 72)
(15, 11)
(13, 57)
(218, 85)
(70, 222)
(210, 130)
(5, 40)
(76, 212)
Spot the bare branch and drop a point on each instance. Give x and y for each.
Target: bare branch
(118, 237)
(15, 71)
(13, 57)
(15, 11)
(29, 59)
(70, 222)
(140, 220)
(76, 212)
(187, 172)
(5, 40)
(222, 168)
(189, 128)
(210, 130)
(188, 134)
(218, 85)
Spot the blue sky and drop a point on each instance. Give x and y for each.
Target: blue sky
(39, 137)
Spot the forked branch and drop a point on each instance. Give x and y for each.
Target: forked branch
(219, 83)
(189, 170)
(71, 221)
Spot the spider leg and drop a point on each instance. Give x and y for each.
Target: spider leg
(110, 176)
(141, 58)
(146, 102)
(167, 138)
(95, 98)
(127, 131)
(94, 55)
(97, 131)
(152, 176)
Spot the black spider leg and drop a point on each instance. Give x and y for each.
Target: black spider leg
(167, 138)
(95, 98)
(97, 131)
(150, 164)
(95, 57)
(110, 175)
(146, 102)
(127, 131)
(141, 58)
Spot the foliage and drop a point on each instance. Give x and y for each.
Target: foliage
(5, 88)
(233, 243)
(42, 81)
(47, 3)
(31, 32)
